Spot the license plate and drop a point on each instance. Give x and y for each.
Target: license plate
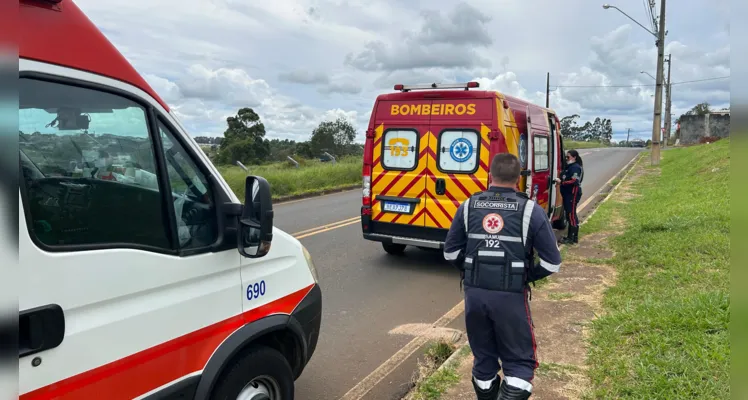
(396, 207)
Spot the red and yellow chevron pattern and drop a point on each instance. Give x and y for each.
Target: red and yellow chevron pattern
(434, 210)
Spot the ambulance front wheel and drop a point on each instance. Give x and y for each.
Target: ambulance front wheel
(394, 248)
(260, 373)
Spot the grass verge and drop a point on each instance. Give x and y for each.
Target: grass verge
(286, 180)
(435, 375)
(664, 333)
(571, 144)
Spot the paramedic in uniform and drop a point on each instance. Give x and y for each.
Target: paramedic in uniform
(571, 192)
(492, 240)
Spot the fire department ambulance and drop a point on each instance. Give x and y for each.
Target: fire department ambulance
(143, 275)
(428, 148)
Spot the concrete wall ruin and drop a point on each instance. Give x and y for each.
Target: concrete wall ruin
(695, 127)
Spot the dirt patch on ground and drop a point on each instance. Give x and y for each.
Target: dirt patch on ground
(562, 311)
(593, 252)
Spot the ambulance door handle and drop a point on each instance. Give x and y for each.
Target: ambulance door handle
(40, 328)
(441, 186)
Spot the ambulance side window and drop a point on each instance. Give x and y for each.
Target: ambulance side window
(88, 169)
(400, 149)
(191, 196)
(541, 159)
(458, 151)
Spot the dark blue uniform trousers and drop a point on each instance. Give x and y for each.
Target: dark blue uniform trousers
(571, 200)
(499, 327)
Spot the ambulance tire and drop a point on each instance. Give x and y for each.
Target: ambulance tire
(260, 364)
(394, 248)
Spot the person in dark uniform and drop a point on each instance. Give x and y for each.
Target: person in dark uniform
(492, 240)
(571, 192)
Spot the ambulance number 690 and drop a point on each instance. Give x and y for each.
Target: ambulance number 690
(255, 290)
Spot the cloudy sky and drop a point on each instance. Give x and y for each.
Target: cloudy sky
(299, 62)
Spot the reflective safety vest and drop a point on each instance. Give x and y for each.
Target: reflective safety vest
(496, 257)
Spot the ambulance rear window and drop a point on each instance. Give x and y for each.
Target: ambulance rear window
(540, 146)
(458, 151)
(400, 149)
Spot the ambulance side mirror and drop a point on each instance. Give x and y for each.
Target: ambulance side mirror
(256, 221)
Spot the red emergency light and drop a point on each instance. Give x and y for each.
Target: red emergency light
(466, 86)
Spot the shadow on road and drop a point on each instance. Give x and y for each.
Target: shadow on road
(417, 260)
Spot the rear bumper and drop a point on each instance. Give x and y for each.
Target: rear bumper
(376, 237)
(409, 235)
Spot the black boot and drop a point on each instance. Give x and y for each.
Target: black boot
(492, 393)
(569, 239)
(507, 392)
(575, 235)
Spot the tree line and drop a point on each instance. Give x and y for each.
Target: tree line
(601, 130)
(244, 140)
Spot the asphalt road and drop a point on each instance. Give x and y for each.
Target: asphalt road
(367, 293)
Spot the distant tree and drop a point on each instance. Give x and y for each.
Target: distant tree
(281, 149)
(569, 128)
(208, 139)
(595, 131)
(304, 149)
(332, 136)
(244, 139)
(607, 131)
(699, 109)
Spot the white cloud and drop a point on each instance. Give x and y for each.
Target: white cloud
(298, 62)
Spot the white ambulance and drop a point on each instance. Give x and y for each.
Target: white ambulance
(142, 274)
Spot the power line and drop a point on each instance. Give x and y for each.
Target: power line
(701, 80)
(640, 85)
(648, 6)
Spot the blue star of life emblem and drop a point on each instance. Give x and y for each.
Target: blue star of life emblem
(461, 150)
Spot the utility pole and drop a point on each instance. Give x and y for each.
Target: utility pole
(657, 118)
(628, 134)
(547, 90)
(668, 103)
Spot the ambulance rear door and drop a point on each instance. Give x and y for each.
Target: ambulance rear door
(539, 146)
(398, 179)
(459, 156)
(556, 154)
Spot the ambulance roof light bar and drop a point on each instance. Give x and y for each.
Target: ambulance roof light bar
(466, 86)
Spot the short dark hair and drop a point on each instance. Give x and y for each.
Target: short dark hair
(505, 168)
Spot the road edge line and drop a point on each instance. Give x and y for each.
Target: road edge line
(638, 158)
(605, 185)
(364, 386)
(298, 198)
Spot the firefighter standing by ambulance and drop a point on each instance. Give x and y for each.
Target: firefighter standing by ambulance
(571, 192)
(493, 237)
